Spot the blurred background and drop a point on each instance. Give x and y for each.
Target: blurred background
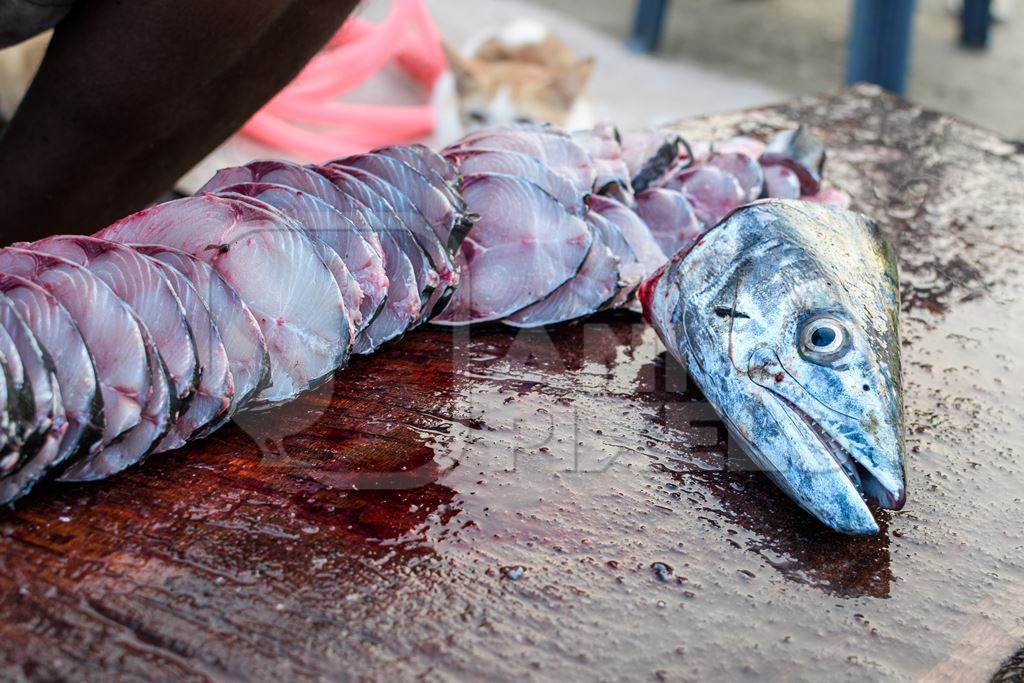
(800, 47)
(658, 61)
(636, 63)
(715, 55)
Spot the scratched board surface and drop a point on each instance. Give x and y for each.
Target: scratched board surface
(562, 505)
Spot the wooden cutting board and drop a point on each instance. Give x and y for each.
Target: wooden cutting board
(561, 504)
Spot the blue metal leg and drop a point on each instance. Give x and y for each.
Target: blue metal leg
(879, 48)
(975, 22)
(647, 25)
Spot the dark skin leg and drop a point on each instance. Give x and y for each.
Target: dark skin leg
(132, 93)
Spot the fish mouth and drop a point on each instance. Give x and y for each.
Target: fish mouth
(872, 490)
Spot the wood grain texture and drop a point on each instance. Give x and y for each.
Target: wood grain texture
(560, 504)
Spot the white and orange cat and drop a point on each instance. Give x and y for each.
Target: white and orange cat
(523, 74)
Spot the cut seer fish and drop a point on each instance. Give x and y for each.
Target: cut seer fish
(444, 216)
(556, 151)
(475, 162)
(590, 290)
(344, 228)
(164, 325)
(170, 349)
(213, 393)
(521, 229)
(351, 294)
(397, 242)
(397, 211)
(108, 326)
(244, 344)
(302, 315)
(670, 218)
(637, 234)
(144, 287)
(79, 388)
(45, 422)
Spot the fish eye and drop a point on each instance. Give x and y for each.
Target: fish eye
(823, 338)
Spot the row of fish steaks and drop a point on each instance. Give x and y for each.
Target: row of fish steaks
(159, 328)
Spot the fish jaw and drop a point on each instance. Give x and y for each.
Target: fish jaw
(863, 437)
(792, 452)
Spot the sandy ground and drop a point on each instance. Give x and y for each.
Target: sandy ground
(799, 47)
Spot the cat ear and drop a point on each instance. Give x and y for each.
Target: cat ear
(568, 84)
(466, 71)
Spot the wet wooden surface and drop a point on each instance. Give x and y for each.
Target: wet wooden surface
(561, 505)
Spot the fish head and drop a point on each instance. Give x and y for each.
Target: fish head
(787, 316)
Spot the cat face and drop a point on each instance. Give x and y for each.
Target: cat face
(507, 91)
